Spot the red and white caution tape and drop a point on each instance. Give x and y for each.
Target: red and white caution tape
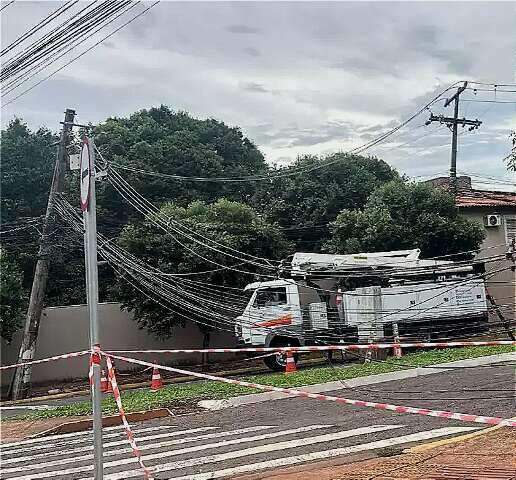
(371, 346)
(94, 360)
(465, 417)
(128, 431)
(49, 359)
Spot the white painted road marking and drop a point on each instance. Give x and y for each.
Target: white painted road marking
(229, 450)
(196, 448)
(270, 447)
(151, 446)
(321, 455)
(110, 444)
(86, 437)
(55, 437)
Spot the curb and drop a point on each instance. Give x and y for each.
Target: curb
(107, 421)
(354, 382)
(446, 441)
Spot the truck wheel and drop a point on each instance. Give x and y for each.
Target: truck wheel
(278, 362)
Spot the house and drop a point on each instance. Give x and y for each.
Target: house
(496, 211)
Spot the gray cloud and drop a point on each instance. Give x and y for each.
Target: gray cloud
(299, 78)
(241, 29)
(253, 87)
(251, 51)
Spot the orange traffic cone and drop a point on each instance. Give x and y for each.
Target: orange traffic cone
(156, 383)
(291, 363)
(104, 384)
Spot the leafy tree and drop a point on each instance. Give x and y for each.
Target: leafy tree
(229, 223)
(27, 167)
(11, 302)
(168, 142)
(402, 215)
(304, 203)
(28, 158)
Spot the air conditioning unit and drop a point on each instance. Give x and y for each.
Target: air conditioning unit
(492, 220)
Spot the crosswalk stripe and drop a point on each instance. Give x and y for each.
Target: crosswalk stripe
(114, 443)
(320, 455)
(270, 447)
(55, 437)
(196, 448)
(87, 435)
(31, 458)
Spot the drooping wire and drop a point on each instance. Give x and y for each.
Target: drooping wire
(27, 90)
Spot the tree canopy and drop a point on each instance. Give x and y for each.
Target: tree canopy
(230, 224)
(168, 142)
(27, 167)
(401, 215)
(306, 202)
(11, 303)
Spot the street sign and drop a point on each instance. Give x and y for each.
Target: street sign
(85, 174)
(75, 161)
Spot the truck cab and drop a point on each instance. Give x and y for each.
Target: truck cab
(283, 313)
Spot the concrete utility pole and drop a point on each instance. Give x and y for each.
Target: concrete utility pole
(21, 380)
(88, 206)
(454, 122)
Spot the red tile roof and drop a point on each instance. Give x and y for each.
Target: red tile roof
(478, 198)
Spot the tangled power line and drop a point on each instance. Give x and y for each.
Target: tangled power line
(51, 46)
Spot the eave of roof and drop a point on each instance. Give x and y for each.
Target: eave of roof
(479, 198)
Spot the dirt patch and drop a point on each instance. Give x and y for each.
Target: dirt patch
(14, 430)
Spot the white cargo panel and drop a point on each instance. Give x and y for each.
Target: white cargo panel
(449, 299)
(318, 315)
(362, 308)
(371, 307)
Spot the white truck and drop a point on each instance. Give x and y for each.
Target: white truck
(337, 299)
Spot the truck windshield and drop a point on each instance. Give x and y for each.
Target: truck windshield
(267, 297)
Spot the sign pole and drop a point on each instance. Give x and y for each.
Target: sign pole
(88, 206)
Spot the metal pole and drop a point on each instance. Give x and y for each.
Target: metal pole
(21, 382)
(453, 165)
(90, 253)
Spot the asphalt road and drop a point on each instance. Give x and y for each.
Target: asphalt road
(286, 432)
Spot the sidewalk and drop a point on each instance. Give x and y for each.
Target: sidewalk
(488, 456)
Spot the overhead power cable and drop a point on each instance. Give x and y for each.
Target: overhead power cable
(57, 53)
(24, 92)
(41, 24)
(47, 40)
(46, 48)
(154, 215)
(7, 5)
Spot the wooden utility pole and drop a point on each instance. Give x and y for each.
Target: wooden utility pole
(454, 122)
(21, 380)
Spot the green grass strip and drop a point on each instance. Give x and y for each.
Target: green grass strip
(184, 394)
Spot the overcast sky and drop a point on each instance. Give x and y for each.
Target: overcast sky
(310, 77)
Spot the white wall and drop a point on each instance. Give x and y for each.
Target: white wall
(66, 329)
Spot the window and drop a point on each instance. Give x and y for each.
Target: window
(267, 297)
(510, 228)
